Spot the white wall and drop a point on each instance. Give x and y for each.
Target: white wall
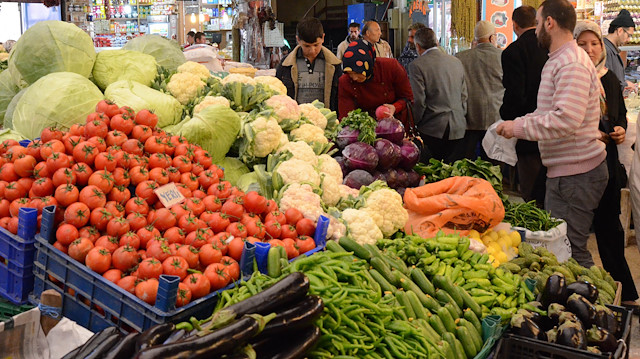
(9, 21)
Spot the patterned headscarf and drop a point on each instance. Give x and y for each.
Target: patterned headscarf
(359, 58)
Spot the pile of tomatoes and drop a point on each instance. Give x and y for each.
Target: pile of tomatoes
(101, 175)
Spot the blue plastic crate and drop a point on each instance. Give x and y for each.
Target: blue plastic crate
(17, 253)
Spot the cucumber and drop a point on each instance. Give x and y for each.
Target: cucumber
(418, 309)
(431, 333)
(452, 310)
(475, 336)
(408, 285)
(395, 263)
(446, 349)
(333, 246)
(404, 302)
(273, 263)
(381, 266)
(436, 324)
(457, 348)
(473, 319)
(444, 283)
(468, 301)
(447, 319)
(373, 250)
(384, 284)
(444, 298)
(462, 333)
(422, 281)
(351, 246)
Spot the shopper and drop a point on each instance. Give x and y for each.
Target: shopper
(409, 52)
(483, 74)
(606, 221)
(200, 38)
(620, 32)
(522, 63)
(369, 82)
(311, 71)
(191, 38)
(566, 126)
(371, 33)
(354, 34)
(440, 98)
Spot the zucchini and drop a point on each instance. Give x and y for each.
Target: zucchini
(447, 319)
(352, 246)
(422, 281)
(431, 333)
(396, 263)
(452, 310)
(473, 319)
(384, 284)
(467, 342)
(444, 298)
(437, 324)
(373, 250)
(475, 336)
(418, 309)
(381, 266)
(444, 283)
(458, 351)
(404, 302)
(407, 284)
(273, 263)
(333, 246)
(468, 301)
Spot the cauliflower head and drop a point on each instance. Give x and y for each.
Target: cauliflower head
(273, 83)
(302, 197)
(211, 100)
(361, 226)
(313, 114)
(298, 171)
(346, 191)
(266, 135)
(184, 86)
(385, 207)
(328, 166)
(196, 69)
(284, 140)
(336, 228)
(309, 133)
(243, 79)
(330, 190)
(301, 151)
(284, 107)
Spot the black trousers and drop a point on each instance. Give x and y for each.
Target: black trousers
(442, 149)
(610, 238)
(472, 145)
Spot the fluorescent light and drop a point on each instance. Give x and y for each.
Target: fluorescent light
(193, 17)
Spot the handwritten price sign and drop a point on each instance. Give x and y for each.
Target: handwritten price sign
(169, 195)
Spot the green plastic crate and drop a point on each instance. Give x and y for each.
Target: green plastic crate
(8, 310)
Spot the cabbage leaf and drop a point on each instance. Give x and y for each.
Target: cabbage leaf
(115, 65)
(233, 169)
(8, 90)
(139, 97)
(166, 52)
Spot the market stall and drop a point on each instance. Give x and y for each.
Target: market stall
(178, 213)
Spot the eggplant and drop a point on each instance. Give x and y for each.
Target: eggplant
(585, 289)
(154, 335)
(552, 335)
(533, 316)
(104, 347)
(602, 338)
(289, 289)
(593, 350)
(572, 335)
(210, 345)
(95, 341)
(298, 316)
(125, 349)
(569, 317)
(535, 307)
(526, 327)
(555, 290)
(605, 318)
(175, 336)
(288, 347)
(583, 308)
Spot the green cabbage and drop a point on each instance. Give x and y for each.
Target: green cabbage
(8, 116)
(139, 97)
(59, 100)
(233, 169)
(116, 65)
(10, 135)
(51, 46)
(249, 182)
(166, 52)
(215, 129)
(7, 91)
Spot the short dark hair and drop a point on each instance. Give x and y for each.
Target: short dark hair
(425, 38)
(561, 11)
(417, 26)
(524, 16)
(355, 24)
(309, 30)
(191, 33)
(199, 35)
(367, 25)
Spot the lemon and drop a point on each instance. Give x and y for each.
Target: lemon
(502, 233)
(494, 235)
(515, 238)
(486, 239)
(504, 242)
(491, 250)
(474, 234)
(501, 257)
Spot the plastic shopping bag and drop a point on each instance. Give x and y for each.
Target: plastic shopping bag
(499, 148)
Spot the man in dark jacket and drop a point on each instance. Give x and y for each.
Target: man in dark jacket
(522, 64)
(311, 71)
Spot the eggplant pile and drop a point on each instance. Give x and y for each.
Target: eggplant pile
(568, 315)
(275, 323)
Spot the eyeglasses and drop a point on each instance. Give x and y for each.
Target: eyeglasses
(628, 34)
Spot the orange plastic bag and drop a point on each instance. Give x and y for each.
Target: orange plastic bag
(453, 205)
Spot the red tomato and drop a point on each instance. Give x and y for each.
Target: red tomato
(196, 206)
(181, 210)
(64, 176)
(98, 259)
(159, 250)
(276, 243)
(145, 190)
(24, 166)
(212, 203)
(90, 233)
(51, 133)
(236, 246)
(217, 276)
(291, 248)
(272, 206)
(146, 234)
(237, 230)
(159, 175)
(207, 179)
(82, 172)
(79, 249)
(77, 214)
(146, 118)
(76, 130)
(99, 142)
(13, 191)
(175, 265)
(66, 234)
(305, 227)
(42, 187)
(289, 231)
(122, 124)
(221, 190)
(107, 107)
(113, 275)
(49, 147)
(133, 146)
(141, 133)
(97, 116)
(188, 223)
(256, 229)
(110, 243)
(138, 175)
(96, 128)
(136, 205)
(276, 216)
(190, 254)
(121, 177)
(184, 295)
(105, 161)
(305, 244)
(233, 209)
(119, 194)
(125, 258)
(198, 284)
(136, 221)
(130, 239)
(154, 144)
(231, 267)
(4, 208)
(128, 283)
(273, 229)
(164, 219)
(12, 225)
(149, 268)
(209, 254)
(197, 238)
(147, 290)
(293, 215)
(92, 196)
(85, 152)
(219, 222)
(174, 235)
(182, 163)
(255, 203)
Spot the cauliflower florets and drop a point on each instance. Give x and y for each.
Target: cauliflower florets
(274, 84)
(361, 226)
(309, 133)
(346, 191)
(302, 197)
(284, 107)
(329, 166)
(386, 209)
(336, 228)
(298, 171)
(314, 115)
(330, 190)
(238, 78)
(211, 100)
(196, 69)
(264, 136)
(184, 86)
(300, 150)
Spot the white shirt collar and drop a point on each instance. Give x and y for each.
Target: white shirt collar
(430, 49)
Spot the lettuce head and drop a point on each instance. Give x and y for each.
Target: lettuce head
(166, 52)
(8, 90)
(51, 46)
(139, 97)
(59, 100)
(8, 115)
(116, 65)
(233, 169)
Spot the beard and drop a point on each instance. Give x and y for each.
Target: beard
(353, 37)
(412, 46)
(544, 39)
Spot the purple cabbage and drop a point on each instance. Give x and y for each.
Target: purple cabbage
(390, 129)
(343, 165)
(347, 136)
(414, 179)
(388, 154)
(392, 178)
(410, 154)
(360, 156)
(358, 178)
(403, 177)
(379, 176)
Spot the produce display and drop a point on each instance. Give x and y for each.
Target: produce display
(502, 245)
(528, 215)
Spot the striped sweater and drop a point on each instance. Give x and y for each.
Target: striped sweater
(566, 120)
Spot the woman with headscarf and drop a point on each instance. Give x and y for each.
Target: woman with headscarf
(368, 83)
(606, 222)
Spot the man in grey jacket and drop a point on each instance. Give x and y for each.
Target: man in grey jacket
(483, 74)
(620, 32)
(440, 97)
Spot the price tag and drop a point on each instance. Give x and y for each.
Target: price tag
(169, 195)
